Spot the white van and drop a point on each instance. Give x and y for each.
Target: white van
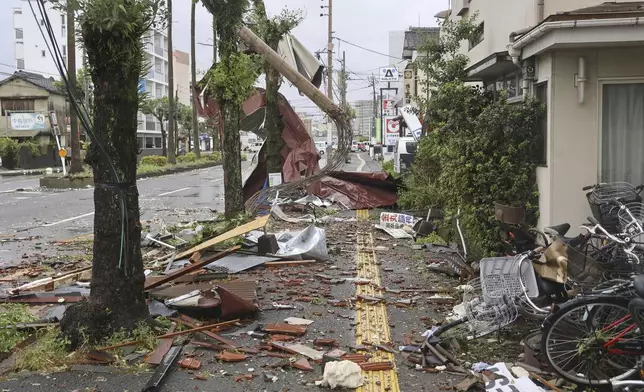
(404, 153)
(321, 147)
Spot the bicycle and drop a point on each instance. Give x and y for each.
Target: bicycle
(608, 342)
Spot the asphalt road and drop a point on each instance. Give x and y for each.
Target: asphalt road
(27, 211)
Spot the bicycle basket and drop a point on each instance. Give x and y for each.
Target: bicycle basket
(484, 318)
(508, 214)
(631, 218)
(599, 201)
(500, 276)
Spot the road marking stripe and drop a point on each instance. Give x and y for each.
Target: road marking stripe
(362, 162)
(171, 192)
(373, 324)
(69, 219)
(362, 214)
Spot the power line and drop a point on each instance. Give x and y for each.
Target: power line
(369, 50)
(28, 70)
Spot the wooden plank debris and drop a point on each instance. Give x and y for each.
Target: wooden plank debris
(243, 229)
(156, 356)
(190, 268)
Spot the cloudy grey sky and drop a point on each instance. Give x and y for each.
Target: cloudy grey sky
(363, 22)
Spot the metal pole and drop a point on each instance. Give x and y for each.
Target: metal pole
(344, 81)
(171, 110)
(375, 107)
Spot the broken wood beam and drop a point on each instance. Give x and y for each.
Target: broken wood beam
(191, 323)
(156, 356)
(190, 268)
(171, 335)
(243, 229)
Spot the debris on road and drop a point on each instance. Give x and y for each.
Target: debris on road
(341, 374)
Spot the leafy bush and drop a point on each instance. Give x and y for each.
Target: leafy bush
(154, 160)
(9, 149)
(479, 150)
(188, 157)
(10, 315)
(388, 167)
(244, 156)
(214, 157)
(34, 148)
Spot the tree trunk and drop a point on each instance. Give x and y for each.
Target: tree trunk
(274, 124)
(116, 300)
(76, 163)
(233, 193)
(164, 142)
(193, 71)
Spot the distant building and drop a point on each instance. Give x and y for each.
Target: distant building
(365, 117)
(412, 78)
(31, 54)
(396, 42)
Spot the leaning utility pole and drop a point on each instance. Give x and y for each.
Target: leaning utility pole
(193, 84)
(76, 165)
(171, 109)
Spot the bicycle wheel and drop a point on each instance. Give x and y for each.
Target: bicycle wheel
(573, 340)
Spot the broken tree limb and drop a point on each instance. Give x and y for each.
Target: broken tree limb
(243, 229)
(49, 284)
(164, 345)
(191, 324)
(190, 268)
(171, 335)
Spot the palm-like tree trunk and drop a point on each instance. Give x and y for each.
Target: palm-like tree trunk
(193, 71)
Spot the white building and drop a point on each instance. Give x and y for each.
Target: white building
(31, 54)
(583, 59)
(365, 117)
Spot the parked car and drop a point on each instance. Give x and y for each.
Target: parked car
(321, 147)
(362, 147)
(255, 147)
(354, 146)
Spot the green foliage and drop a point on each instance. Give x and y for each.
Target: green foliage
(272, 29)
(34, 148)
(47, 353)
(188, 157)
(479, 151)
(12, 314)
(233, 79)
(361, 138)
(215, 156)
(244, 157)
(9, 149)
(432, 238)
(388, 167)
(154, 160)
(157, 107)
(350, 111)
(184, 117)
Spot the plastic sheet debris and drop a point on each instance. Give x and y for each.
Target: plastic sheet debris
(308, 243)
(298, 321)
(480, 366)
(399, 234)
(508, 382)
(235, 263)
(341, 374)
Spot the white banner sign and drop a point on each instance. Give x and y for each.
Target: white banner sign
(27, 121)
(392, 129)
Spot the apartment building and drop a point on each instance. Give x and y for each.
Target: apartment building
(365, 117)
(583, 59)
(31, 54)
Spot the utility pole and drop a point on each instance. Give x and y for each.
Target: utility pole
(76, 165)
(171, 112)
(193, 84)
(344, 80)
(375, 106)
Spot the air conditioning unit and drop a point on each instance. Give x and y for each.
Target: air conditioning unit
(460, 6)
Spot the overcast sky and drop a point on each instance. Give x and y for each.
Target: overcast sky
(362, 22)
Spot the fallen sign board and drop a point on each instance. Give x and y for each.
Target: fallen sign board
(243, 229)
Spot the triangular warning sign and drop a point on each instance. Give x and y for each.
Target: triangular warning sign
(389, 74)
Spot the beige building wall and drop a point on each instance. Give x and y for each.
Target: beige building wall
(574, 134)
(554, 6)
(182, 76)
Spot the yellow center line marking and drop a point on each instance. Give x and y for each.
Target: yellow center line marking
(372, 323)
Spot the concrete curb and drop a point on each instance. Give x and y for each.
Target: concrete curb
(76, 183)
(33, 172)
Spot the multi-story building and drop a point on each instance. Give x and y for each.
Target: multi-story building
(31, 54)
(583, 60)
(413, 78)
(365, 117)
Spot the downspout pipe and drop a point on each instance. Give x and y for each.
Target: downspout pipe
(581, 80)
(540, 6)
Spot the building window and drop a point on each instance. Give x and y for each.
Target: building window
(63, 31)
(140, 142)
(19, 33)
(511, 85)
(63, 19)
(17, 105)
(43, 53)
(17, 12)
(20, 63)
(64, 50)
(541, 94)
(157, 142)
(622, 133)
(149, 142)
(150, 123)
(477, 36)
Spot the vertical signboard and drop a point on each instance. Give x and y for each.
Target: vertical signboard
(392, 130)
